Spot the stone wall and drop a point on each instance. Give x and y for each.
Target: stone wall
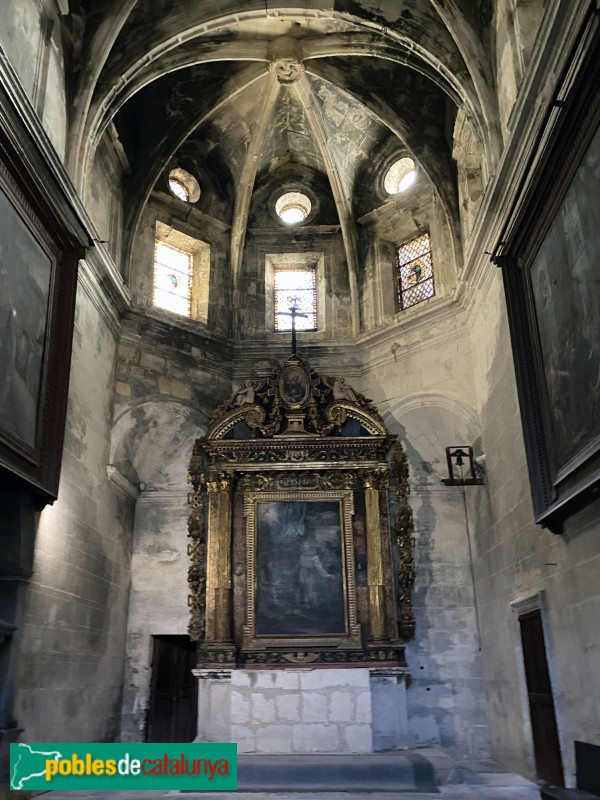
(301, 711)
(169, 378)
(72, 643)
(30, 36)
(515, 559)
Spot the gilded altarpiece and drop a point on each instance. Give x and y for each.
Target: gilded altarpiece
(300, 529)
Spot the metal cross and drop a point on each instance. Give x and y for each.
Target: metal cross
(295, 302)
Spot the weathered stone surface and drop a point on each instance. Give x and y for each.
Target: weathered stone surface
(73, 638)
(316, 738)
(274, 739)
(144, 382)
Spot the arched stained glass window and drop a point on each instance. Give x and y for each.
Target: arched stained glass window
(172, 279)
(415, 271)
(297, 288)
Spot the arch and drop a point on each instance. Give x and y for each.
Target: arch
(143, 190)
(149, 443)
(427, 423)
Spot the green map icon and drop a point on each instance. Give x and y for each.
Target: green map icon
(29, 763)
(195, 766)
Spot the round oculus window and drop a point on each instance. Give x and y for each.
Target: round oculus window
(178, 189)
(183, 185)
(293, 207)
(400, 176)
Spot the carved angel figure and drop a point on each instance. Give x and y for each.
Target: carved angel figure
(341, 391)
(243, 395)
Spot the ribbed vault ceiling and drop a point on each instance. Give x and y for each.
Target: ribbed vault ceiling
(192, 81)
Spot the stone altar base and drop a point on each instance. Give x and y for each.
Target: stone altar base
(300, 710)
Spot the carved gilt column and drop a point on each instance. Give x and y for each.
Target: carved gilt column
(404, 540)
(375, 578)
(218, 572)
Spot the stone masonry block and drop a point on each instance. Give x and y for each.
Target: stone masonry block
(318, 738)
(263, 710)
(274, 739)
(240, 707)
(362, 710)
(341, 707)
(314, 707)
(288, 707)
(357, 738)
(124, 389)
(244, 738)
(334, 678)
(150, 361)
(267, 679)
(181, 390)
(164, 385)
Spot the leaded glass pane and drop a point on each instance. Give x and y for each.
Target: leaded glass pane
(297, 287)
(415, 268)
(418, 293)
(172, 279)
(416, 247)
(415, 271)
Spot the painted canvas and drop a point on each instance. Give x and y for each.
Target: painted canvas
(25, 272)
(565, 285)
(299, 569)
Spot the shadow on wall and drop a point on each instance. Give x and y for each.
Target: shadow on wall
(446, 705)
(427, 722)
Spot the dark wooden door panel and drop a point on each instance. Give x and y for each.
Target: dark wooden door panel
(173, 699)
(541, 702)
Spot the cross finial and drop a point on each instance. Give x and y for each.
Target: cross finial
(294, 305)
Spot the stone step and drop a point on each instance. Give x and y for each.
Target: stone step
(377, 772)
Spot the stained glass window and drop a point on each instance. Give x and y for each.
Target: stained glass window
(298, 288)
(415, 271)
(172, 279)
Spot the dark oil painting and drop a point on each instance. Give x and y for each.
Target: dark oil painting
(25, 271)
(299, 569)
(565, 279)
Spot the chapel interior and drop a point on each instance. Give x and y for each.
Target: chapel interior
(214, 174)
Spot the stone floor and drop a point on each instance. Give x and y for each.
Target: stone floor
(473, 780)
(510, 791)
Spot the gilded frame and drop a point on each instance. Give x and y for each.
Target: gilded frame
(255, 641)
(294, 386)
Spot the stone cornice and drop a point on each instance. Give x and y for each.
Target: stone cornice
(193, 217)
(24, 128)
(99, 276)
(555, 41)
(110, 298)
(179, 339)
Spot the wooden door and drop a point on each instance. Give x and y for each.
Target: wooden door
(174, 691)
(541, 703)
